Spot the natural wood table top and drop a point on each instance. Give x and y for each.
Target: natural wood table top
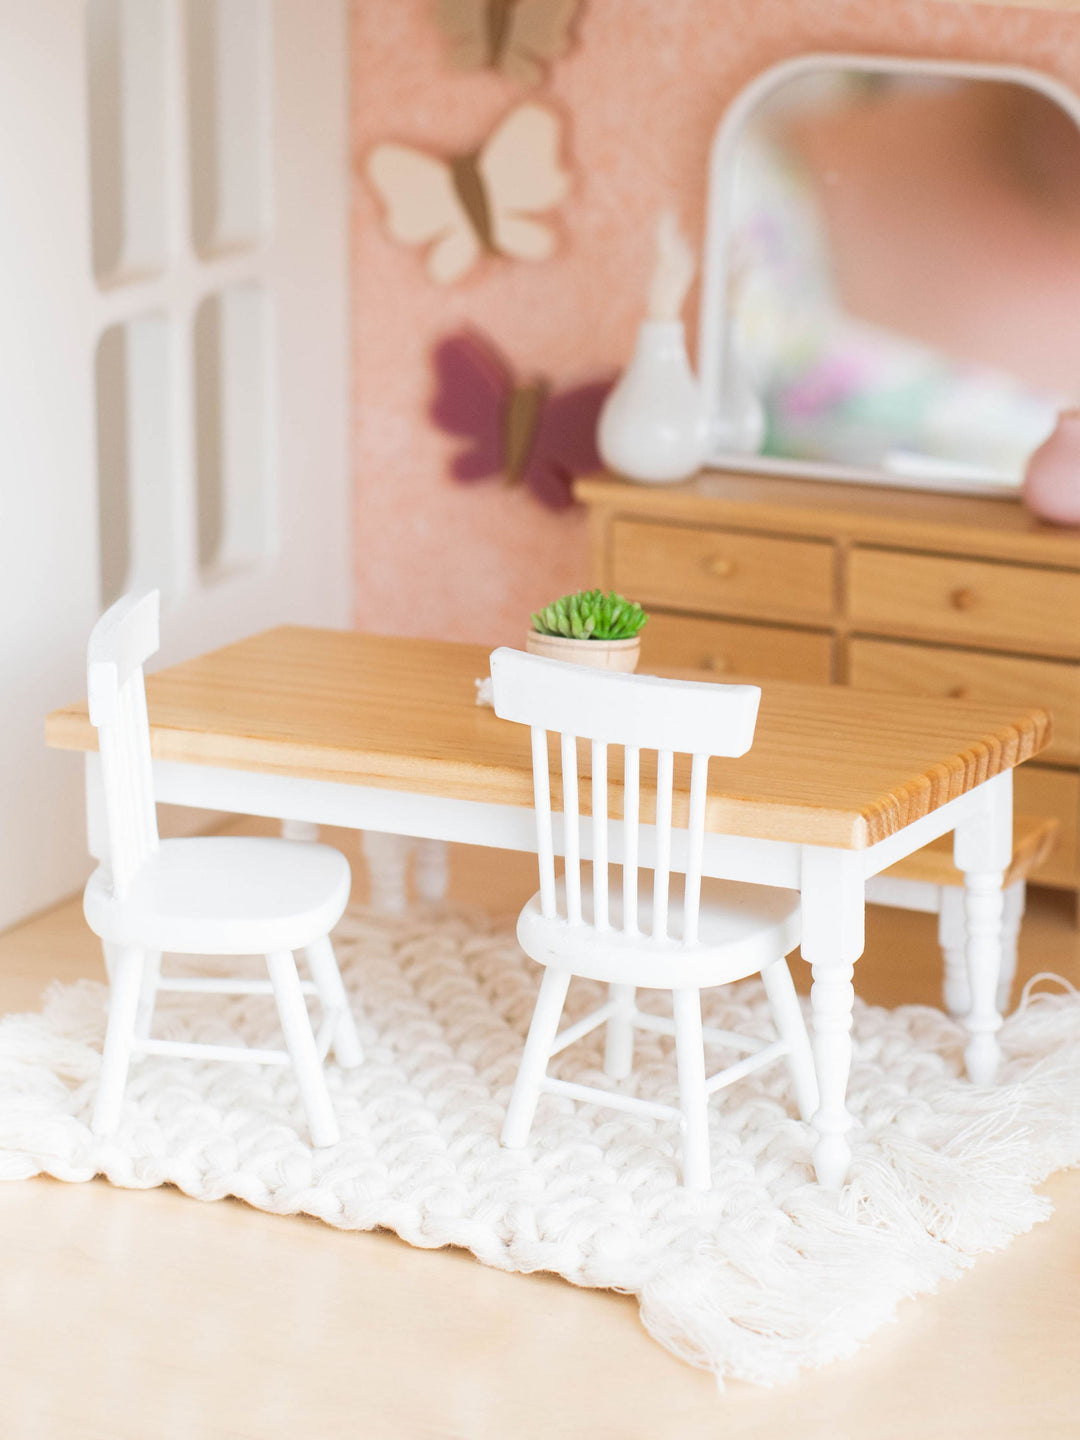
(829, 765)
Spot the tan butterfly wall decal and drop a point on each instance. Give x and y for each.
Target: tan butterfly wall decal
(467, 205)
(517, 37)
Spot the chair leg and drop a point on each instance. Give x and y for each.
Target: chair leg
(324, 971)
(148, 993)
(619, 1039)
(127, 970)
(787, 1012)
(1015, 897)
(534, 1060)
(300, 1043)
(109, 954)
(693, 1096)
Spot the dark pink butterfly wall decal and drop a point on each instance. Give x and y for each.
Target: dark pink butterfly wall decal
(519, 430)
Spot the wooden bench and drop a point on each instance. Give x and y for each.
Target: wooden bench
(929, 881)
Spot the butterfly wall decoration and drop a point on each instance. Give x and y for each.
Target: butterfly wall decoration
(469, 205)
(522, 431)
(519, 38)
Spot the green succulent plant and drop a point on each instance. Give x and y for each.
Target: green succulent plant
(591, 615)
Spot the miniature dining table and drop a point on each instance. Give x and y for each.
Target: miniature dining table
(384, 735)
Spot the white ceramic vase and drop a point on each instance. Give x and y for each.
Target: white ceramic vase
(653, 425)
(739, 428)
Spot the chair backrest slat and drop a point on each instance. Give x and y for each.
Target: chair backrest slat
(571, 830)
(545, 849)
(601, 917)
(665, 761)
(631, 822)
(124, 637)
(699, 784)
(635, 712)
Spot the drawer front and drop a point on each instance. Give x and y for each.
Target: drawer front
(724, 647)
(723, 572)
(1057, 793)
(1007, 606)
(968, 675)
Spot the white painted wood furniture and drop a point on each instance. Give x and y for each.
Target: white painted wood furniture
(929, 882)
(205, 896)
(383, 733)
(602, 928)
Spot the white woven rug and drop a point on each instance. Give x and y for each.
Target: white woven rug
(760, 1277)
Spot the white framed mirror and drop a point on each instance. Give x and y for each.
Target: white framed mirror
(891, 272)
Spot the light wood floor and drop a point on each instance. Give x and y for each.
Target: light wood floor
(148, 1316)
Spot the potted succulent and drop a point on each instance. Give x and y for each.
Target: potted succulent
(589, 628)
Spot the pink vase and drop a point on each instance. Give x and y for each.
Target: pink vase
(1051, 486)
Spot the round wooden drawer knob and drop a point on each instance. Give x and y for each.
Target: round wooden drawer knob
(717, 664)
(960, 692)
(963, 599)
(720, 566)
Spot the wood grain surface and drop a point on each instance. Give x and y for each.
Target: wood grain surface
(981, 676)
(1016, 607)
(722, 648)
(867, 514)
(829, 765)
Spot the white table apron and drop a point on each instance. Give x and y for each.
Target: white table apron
(831, 880)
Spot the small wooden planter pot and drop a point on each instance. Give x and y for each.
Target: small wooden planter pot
(599, 654)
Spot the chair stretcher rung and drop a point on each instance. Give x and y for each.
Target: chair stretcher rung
(224, 985)
(192, 1050)
(610, 1098)
(730, 1039)
(582, 1027)
(765, 1056)
(663, 1025)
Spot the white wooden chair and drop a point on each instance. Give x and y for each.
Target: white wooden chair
(216, 895)
(604, 929)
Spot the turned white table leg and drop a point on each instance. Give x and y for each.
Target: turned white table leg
(952, 937)
(952, 934)
(983, 910)
(833, 911)
(387, 859)
(982, 848)
(299, 830)
(431, 869)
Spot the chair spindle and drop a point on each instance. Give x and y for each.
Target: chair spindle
(662, 872)
(695, 844)
(571, 836)
(545, 849)
(631, 815)
(600, 835)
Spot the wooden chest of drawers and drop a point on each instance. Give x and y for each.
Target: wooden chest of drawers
(884, 589)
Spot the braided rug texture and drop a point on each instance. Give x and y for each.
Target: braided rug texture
(760, 1277)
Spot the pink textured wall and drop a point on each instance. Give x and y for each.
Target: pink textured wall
(641, 95)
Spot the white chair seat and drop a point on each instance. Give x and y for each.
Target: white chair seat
(224, 895)
(740, 929)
